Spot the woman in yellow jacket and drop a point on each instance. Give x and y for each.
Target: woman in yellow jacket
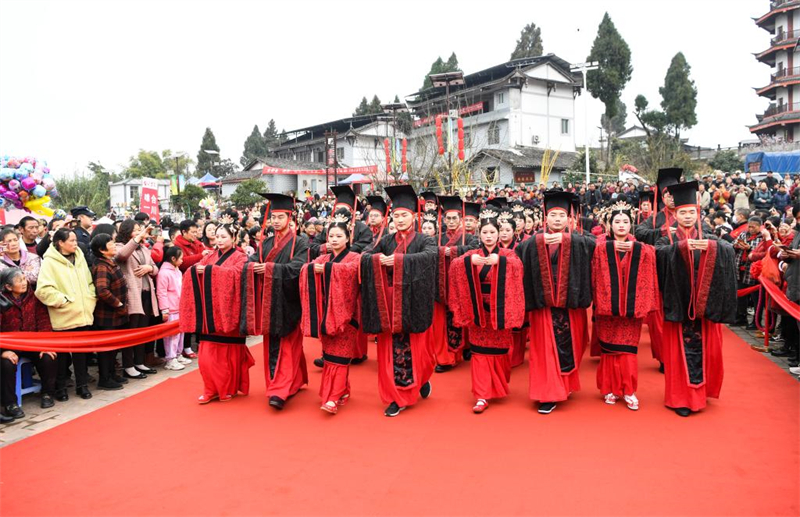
(65, 286)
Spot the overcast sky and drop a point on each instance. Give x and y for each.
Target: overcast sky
(99, 80)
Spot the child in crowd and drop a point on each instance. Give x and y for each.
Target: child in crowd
(168, 290)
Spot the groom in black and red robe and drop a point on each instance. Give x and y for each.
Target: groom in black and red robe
(397, 304)
(271, 284)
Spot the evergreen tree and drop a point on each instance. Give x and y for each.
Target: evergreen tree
(529, 43)
(253, 147)
(452, 63)
(205, 160)
(374, 106)
(362, 108)
(614, 57)
(679, 95)
(271, 137)
(616, 124)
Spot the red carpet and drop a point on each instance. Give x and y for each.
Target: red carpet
(159, 453)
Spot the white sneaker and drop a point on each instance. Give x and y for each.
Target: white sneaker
(611, 399)
(632, 402)
(173, 364)
(183, 360)
(795, 370)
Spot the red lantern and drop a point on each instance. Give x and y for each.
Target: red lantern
(439, 139)
(403, 155)
(441, 150)
(461, 154)
(388, 156)
(460, 123)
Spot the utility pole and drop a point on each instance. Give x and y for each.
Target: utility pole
(583, 68)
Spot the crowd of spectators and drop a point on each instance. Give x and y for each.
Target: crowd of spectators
(76, 272)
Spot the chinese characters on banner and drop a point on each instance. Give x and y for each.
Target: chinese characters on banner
(149, 199)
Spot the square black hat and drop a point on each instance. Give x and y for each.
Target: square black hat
(684, 194)
(344, 195)
(377, 203)
(668, 176)
(402, 196)
(498, 202)
(451, 203)
(279, 202)
(557, 199)
(472, 209)
(646, 195)
(429, 196)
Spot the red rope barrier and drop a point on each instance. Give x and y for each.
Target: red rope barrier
(85, 341)
(747, 290)
(780, 298)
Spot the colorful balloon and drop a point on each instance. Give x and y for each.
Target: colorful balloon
(39, 191)
(37, 206)
(28, 183)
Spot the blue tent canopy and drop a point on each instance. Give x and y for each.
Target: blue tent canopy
(776, 162)
(208, 181)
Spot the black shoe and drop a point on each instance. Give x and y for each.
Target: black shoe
(83, 392)
(5, 419)
(277, 402)
(683, 411)
(546, 408)
(47, 401)
(62, 395)
(794, 363)
(782, 352)
(441, 368)
(751, 326)
(319, 362)
(660, 367)
(146, 370)
(425, 391)
(129, 376)
(467, 354)
(14, 411)
(120, 379)
(109, 385)
(393, 409)
(359, 360)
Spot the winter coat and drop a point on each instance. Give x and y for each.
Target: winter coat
(67, 290)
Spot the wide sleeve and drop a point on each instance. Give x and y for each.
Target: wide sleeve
(362, 238)
(722, 297)
(459, 299)
(514, 304)
(342, 295)
(414, 277)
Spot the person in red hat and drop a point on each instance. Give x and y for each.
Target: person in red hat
(557, 267)
(694, 274)
(397, 305)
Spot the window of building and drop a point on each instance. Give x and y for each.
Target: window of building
(491, 175)
(494, 134)
(135, 193)
(564, 126)
(501, 98)
(340, 153)
(319, 156)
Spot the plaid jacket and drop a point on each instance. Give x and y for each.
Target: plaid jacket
(743, 257)
(109, 283)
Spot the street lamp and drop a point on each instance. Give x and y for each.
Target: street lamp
(447, 79)
(212, 153)
(583, 68)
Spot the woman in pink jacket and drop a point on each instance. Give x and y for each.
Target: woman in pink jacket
(168, 289)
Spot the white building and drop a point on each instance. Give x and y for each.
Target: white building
(126, 193)
(781, 120)
(515, 109)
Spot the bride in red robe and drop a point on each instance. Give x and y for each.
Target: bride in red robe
(329, 293)
(486, 297)
(210, 306)
(624, 287)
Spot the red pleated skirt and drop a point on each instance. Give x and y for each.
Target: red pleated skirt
(291, 373)
(224, 368)
(422, 361)
(335, 382)
(490, 375)
(547, 383)
(678, 393)
(618, 374)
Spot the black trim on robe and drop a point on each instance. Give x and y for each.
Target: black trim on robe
(485, 350)
(335, 359)
(609, 348)
(228, 340)
(207, 294)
